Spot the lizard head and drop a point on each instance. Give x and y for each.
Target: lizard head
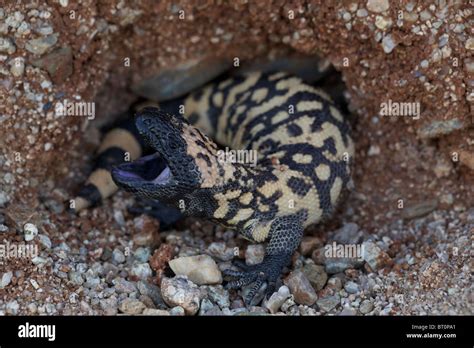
(171, 171)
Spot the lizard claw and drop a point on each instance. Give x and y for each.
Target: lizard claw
(267, 272)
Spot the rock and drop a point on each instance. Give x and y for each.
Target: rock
(220, 251)
(6, 279)
(347, 234)
(124, 286)
(388, 44)
(466, 158)
(378, 6)
(301, 288)
(152, 291)
(75, 278)
(170, 84)
(219, 295)
(328, 303)
(308, 244)
(142, 254)
(366, 307)
(131, 306)
(45, 241)
(348, 311)
(41, 45)
(118, 256)
(200, 269)
(351, 287)
(179, 291)
(374, 256)
(7, 45)
(434, 129)
(58, 64)
(160, 259)
(316, 275)
(419, 209)
(335, 265)
(31, 231)
(362, 12)
(12, 307)
(276, 300)
(154, 311)
(149, 231)
(17, 66)
(254, 254)
(177, 311)
(206, 306)
(141, 270)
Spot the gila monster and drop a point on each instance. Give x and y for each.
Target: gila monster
(304, 152)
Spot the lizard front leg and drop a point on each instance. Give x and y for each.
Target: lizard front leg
(285, 236)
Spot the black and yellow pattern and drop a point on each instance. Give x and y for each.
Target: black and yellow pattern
(304, 152)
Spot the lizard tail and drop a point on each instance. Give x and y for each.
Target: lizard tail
(121, 144)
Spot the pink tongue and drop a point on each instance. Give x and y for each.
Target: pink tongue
(164, 176)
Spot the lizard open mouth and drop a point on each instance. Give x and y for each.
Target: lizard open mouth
(151, 169)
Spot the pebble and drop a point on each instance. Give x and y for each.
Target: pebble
(254, 254)
(434, 129)
(124, 286)
(200, 269)
(366, 307)
(17, 66)
(301, 288)
(152, 291)
(351, 287)
(177, 311)
(335, 265)
(141, 270)
(206, 306)
(378, 5)
(118, 256)
(362, 12)
(131, 306)
(179, 291)
(45, 241)
(219, 295)
(76, 278)
(14, 19)
(469, 44)
(6, 279)
(348, 311)
(347, 234)
(374, 256)
(172, 83)
(308, 244)
(38, 260)
(58, 64)
(388, 44)
(420, 209)
(30, 231)
(328, 303)
(220, 251)
(154, 311)
(40, 45)
(316, 275)
(12, 307)
(142, 254)
(276, 300)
